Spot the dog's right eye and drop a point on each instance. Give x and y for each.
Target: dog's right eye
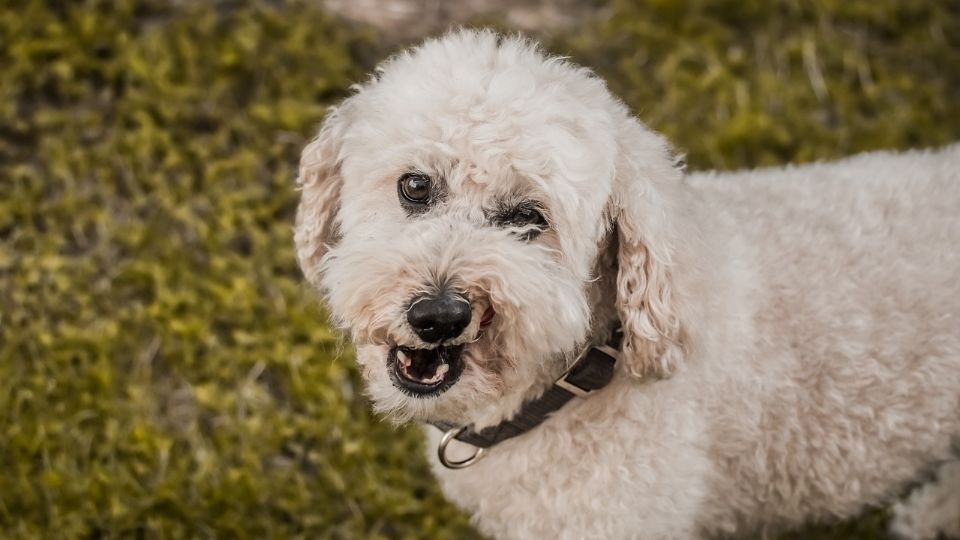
(415, 189)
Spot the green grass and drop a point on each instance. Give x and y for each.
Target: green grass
(163, 370)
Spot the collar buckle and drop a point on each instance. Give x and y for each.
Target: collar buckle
(568, 385)
(562, 382)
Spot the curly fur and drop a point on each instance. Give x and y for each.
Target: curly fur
(791, 346)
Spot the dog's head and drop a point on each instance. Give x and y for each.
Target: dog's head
(454, 210)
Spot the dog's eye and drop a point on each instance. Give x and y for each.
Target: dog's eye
(528, 216)
(525, 216)
(415, 188)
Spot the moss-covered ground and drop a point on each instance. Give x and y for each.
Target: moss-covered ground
(163, 371)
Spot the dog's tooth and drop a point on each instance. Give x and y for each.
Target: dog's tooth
(442, 369)
(404, 359)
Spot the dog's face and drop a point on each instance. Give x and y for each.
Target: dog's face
(453, 211)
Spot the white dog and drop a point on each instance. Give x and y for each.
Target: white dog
(479, 215)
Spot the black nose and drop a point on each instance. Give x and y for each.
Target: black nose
(438, 317)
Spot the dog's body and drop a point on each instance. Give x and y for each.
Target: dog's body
(828, 379)
(791, 337)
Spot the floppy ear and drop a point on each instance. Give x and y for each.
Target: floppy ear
(319, 182)
(646, 192)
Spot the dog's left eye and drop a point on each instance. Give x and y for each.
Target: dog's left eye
(526, 216)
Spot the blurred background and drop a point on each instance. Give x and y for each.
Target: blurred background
(164, 372)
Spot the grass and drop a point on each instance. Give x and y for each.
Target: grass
(163, 370)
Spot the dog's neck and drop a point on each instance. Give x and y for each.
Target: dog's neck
(699, 273)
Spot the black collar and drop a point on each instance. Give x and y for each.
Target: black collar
(592, 371)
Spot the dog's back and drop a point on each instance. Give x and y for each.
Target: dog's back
(855, 281)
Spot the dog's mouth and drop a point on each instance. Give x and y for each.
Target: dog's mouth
(425, 372)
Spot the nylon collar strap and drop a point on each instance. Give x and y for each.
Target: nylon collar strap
(592, 371)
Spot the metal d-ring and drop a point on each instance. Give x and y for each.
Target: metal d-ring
(442, 451)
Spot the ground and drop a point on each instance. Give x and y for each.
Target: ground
(163, 370)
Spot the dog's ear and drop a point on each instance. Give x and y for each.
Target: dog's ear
(644, 206)
(319, 183)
